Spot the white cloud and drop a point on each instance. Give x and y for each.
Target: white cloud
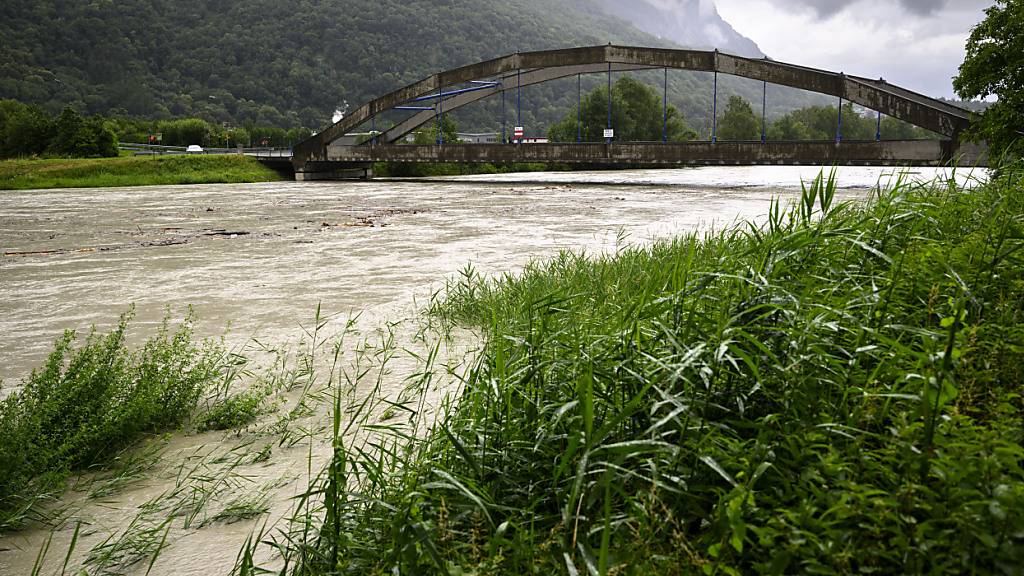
(829, 8)
(917, 44)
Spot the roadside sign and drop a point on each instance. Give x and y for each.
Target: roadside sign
(609, 133)
(518, 132)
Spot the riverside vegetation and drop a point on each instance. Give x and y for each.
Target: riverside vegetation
(87, 403)
(100, 412)
(132, 171)
(836, 391)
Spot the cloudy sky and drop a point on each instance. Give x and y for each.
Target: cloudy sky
(917, 44)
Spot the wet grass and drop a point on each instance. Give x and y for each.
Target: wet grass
(837, 391)
(119, 552)
(209, 486)
(235, 411)
(369, 423)
(247, 505)
(132, 171)
(126, 468)
(90, 402)
(213, 483)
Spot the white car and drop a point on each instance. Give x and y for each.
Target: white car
(195, 149)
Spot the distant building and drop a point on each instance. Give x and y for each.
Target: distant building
(466, 138)
(479, 138)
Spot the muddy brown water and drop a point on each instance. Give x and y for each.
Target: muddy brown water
(256, 261)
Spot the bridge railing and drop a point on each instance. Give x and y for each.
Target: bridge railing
(147, 149)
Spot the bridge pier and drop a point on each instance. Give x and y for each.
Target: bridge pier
(312, 171)
(965, 154)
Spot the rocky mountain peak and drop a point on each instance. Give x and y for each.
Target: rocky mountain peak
(689, 23)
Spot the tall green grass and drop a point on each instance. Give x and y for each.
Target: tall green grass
(89, 402)
(837, 391)
(132, 171)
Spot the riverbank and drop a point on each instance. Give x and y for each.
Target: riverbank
(132, 171)
(837, 391)
(265, 256)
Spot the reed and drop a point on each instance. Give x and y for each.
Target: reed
(836, 391)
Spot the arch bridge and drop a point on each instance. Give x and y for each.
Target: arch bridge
(327, 155)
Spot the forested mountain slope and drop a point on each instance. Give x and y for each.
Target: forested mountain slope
(293, 62)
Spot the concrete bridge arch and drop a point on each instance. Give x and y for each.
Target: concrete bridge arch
(528, 68)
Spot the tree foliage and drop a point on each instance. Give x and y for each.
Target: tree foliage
(28, 131)
(739, 122)
(637, 115)
(428, 134)
(822, 123)
(994, 66)
(24, 130)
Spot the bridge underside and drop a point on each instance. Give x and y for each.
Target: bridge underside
(885, 153)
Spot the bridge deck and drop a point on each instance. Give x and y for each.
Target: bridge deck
(885, 153)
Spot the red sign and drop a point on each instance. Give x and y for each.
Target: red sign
(518, 132)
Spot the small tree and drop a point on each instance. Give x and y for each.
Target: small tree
(268, 136)
(71, 139)
(104, 138)
(428, 134)
(296, 135)
(185, 132)
(637, 116)
(789, 128)
(994, 66)
(24, 130)
(739, 122)
(81, 138)
(237, 138)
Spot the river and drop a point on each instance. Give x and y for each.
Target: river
(255, 261)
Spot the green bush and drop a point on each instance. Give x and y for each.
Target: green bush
(186, 132)
(24, 130)
(234, 412)
(87, 403)
(27, 131)
(637, 115)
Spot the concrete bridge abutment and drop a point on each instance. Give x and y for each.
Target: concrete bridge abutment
(313, 171)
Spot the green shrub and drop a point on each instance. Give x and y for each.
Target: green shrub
(87, 403)
(234, 412)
